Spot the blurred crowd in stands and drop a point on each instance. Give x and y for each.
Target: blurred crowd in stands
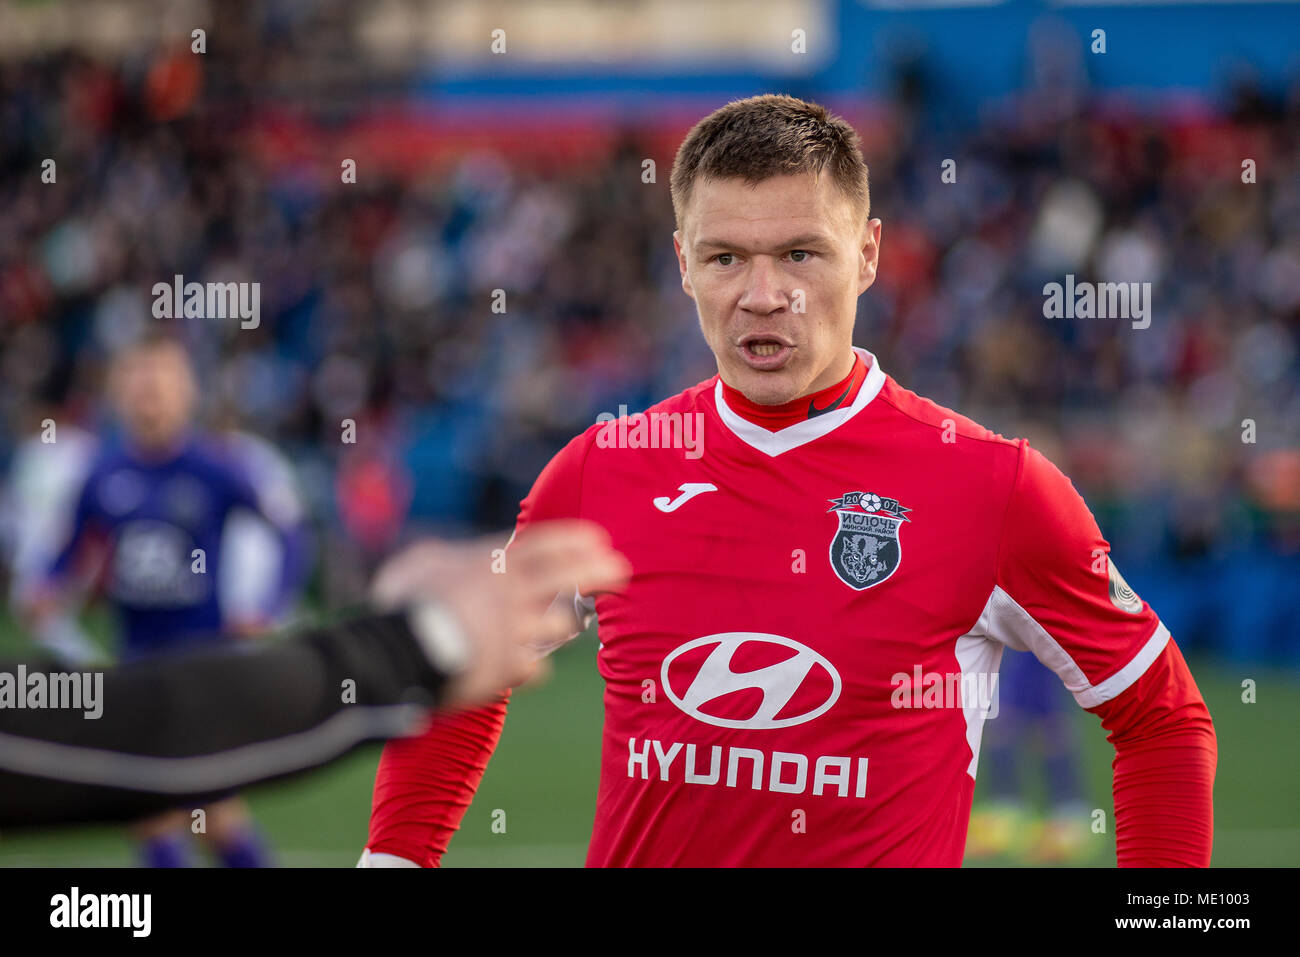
(377, 303)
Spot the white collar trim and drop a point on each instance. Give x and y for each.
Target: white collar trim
(801, 433)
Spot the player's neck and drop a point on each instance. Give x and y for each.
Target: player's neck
(774, 418)
(159, 451)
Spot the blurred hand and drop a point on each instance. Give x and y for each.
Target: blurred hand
(501, 601)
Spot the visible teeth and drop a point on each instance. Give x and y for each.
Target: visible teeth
(765, 348)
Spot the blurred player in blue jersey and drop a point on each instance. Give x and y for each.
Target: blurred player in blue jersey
(157, 501)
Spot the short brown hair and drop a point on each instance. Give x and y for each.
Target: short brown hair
(152, 338)
(770, 135)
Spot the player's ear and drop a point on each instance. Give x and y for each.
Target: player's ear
(681, 263)
(869, 256)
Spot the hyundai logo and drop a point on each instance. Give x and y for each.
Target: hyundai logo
(779, 683)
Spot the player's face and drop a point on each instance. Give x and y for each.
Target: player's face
(155, 395)
(775, 270)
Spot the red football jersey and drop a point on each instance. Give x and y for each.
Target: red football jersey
(799, 669)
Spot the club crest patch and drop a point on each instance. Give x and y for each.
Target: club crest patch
(866, 550)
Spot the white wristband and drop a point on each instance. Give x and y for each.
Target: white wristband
(444, 642)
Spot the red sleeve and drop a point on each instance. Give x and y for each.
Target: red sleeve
(1165, 758)
(557, 493)
(425, 784)
(1060, 596)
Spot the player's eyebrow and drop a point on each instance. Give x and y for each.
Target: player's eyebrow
(797, 242)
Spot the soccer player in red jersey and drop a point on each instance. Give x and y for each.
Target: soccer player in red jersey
(827, 569)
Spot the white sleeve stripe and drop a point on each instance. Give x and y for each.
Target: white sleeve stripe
(1131, 672)
(1006, 622)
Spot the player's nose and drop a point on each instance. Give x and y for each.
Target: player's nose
(764, 292)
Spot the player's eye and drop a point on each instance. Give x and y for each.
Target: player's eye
(800, 252)
(723, 256)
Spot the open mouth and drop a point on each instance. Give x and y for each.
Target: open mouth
(765, 352)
